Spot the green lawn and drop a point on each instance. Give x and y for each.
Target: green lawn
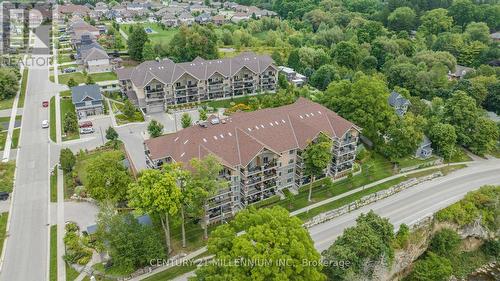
(6, 104)
(325, 188)
(160, 36)
(52, 121)
(460, 156)
(496, 152)
(3, 225)
(7, 120)
(355, 196)
(15, 137)
(413, 161)
(7, 176)
(71, 273)
(24, 83)
(63, 58)
(121, 119)
(80, 78)
(66, 93)
(53, 253)
(3, 139)
(53, 185)
(172, 272)
(67, 106)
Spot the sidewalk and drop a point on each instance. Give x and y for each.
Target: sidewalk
(125, 36)
(13, 113)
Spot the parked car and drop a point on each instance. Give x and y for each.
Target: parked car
(86, 130)
(69, 70)
(45, 103)
(45, 124)
(86, 124)
(4, 195)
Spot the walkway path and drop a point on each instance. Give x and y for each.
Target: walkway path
(125, 36)
(7, 112)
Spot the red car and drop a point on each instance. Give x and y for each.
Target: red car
(45, 103)
(86, 124)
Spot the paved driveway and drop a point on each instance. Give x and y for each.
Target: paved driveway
(83, 213)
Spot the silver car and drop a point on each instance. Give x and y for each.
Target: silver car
(86, 130)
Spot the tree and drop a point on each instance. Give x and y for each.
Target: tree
(128, 109)
(403, 18)
(317, 156)
(478, 31)
(432, 268)
(445, 242)
(8, 83)
(368, 242)
(485, 136)
(436, 21)
(136, 42)
(111, 134)
(461, 112)
(282, 81)
(204, 185)
(70, 122)
(362, 101)
(148, 52)
(129, 244)
(347, 54)
(186, 120)
(444, 138)
(106, 178)
(67, 160)
(324, 76)
(462, 11)
(191, 42)
(203, 114)
(403, 136)
(90, 80)
(72, 83)
(157, 192)
(155, 128)
(253, 236)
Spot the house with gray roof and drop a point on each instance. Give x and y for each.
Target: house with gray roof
(203, 18)
(459, 72)
(424, 150)
(399, 103)
(87, 100)
(156, 84)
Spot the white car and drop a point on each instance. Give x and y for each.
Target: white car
(86, 130)
(45, 124)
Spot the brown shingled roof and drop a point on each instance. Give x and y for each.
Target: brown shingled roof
(243, 135)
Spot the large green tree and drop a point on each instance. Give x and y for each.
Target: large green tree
(402, 19)
(370, 241)
(317, 156)
(191, 42)
(268, 235)
(8, 83)
(436, 21)
(432, 268)
(444, 139)
(403, 136)
(106, 178)
(155, 128)
(362, 101)
(136, 42)
(67, 159)
(157, 193)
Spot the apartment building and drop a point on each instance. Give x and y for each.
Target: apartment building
(156, 84)
(260, 151)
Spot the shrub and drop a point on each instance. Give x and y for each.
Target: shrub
(445, 242)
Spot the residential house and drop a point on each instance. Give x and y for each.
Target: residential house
(71, 9)
(197, 8)
(170, 20)
(260, 151)
(95, 60)
(424, 150)
(87, 100)
(154, 85)
(101, 8)
(186, 18)
(459, 72)
(219, 20)
(203, 18)
(399, 103)
(239, 16)
(292, 76)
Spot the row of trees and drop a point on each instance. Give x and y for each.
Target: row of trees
(9, 82)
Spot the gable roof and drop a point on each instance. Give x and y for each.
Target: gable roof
(243, 135)
(79, 93)
(167, 72)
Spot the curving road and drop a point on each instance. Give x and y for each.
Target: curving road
(415, 203)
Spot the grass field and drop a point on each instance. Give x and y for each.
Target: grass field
(3, 139)
(53, 186)
(230, 102)
(3, 225)
(22, 93)
(7, 176)
(15, 137)
(412, 161)
(53, 253)
(52, 121)
(67, 106)
(71, 273)
(80, 78)
(6, 104)
(63, 58)
(160, 35)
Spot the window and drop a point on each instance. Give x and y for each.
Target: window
(177, 84)
(266, 159)
(148, 88)
(290, 161)
(290, 170)
(289, 180)
(291, 152)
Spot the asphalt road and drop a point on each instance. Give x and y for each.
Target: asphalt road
(413, 204)
(26, 253)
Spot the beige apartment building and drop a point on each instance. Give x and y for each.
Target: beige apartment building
(260, 151)
(154, 85)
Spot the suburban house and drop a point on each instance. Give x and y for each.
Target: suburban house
(71, 9)
(87, 100)
(239, 16)
(219, 20)
(170, 20)
(399, 103)
(95, 59)
(292, 76)
(260, 151)
(186, 18)
(424, 150)
(156, 84)
(203, 18)
(459, 73)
